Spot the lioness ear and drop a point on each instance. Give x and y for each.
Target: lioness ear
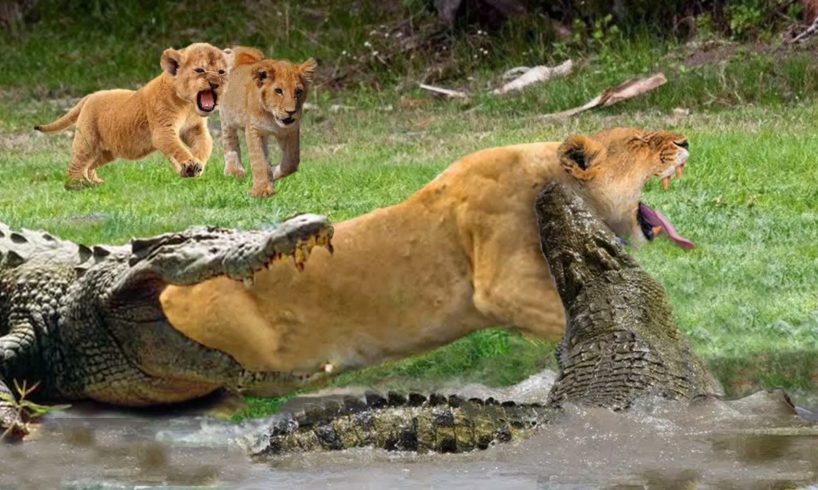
(308, 70)
(578, 156)
(260, 75)
(170, 61)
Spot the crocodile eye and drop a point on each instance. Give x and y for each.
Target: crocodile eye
(279, 91)
(199, 70)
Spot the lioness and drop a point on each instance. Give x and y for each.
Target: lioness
(167, 114)
(459, 255)
(265, 98)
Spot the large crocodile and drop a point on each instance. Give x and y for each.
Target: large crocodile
(84, 322)
(620, 344)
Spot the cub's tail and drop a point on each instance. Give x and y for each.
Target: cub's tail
(65, 121)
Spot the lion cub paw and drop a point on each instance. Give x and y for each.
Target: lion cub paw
(265, 190)
(234, 171)
(191, 168)
(72, 184)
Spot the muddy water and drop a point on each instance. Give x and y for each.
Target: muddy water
(753, 443)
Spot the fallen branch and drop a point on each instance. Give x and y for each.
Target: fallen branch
(611, 96)
(809, 32)
(534, 75)
(452, 94)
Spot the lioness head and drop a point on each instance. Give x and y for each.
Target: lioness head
(199, 74)
(612, 166)
(282, 88)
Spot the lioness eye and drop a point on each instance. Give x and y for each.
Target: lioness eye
(299, 93)
(221, 72)
(199, 70)
(279, 91)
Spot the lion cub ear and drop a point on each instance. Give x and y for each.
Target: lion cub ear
(260, 75)
(579, 155)
(308, 70)
(170, 61)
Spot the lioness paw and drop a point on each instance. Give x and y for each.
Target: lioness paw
(191, 168)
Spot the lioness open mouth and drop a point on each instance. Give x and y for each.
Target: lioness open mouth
(654, 223)
(287, 121)
(206, 100)
(651, 221)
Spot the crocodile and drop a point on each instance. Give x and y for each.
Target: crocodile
(83, 322)
(620, 345)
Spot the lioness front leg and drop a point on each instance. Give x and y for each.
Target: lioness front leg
(167, 141)
(290, 154)
(200, 142)
(262, 185)
(516, 290)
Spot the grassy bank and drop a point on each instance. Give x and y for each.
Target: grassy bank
(746, 296)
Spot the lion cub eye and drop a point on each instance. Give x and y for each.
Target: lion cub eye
(199, 70)
(279, 91)
(221, 72)
(299, 93)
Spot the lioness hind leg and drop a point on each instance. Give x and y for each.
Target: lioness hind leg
(232, 153)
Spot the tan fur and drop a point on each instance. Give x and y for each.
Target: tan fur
(459, 255)
(163, 115)
(263, 94)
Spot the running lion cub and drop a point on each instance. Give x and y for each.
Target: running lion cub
(265, 98)
(167, 114)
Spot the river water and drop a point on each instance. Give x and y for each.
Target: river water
(756, 442)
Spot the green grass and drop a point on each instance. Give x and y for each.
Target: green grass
(749, 199)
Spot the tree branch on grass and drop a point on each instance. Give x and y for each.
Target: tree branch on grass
(525, 77)
(811, 30)
(611, 96)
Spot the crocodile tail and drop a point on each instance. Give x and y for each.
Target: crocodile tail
(435, 424)
(67, 120)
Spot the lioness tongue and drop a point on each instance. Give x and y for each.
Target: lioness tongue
(206, 100)
(655, 218)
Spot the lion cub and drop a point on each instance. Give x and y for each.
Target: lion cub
(265, 97)
(168, 114)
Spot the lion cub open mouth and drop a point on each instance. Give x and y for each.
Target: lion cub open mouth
(206, 100)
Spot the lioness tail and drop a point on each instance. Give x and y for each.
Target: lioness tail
(65, 121)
